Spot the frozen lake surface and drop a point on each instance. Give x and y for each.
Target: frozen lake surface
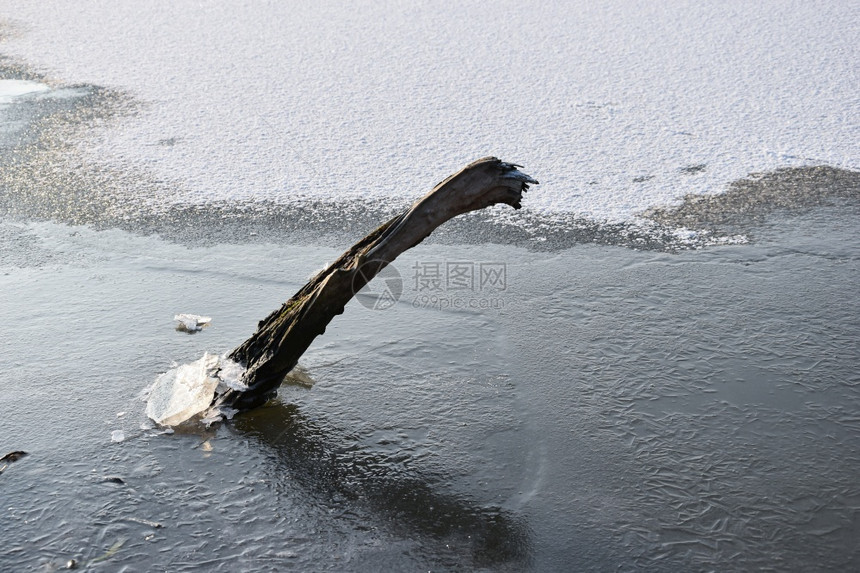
(605, 395)
(616, 108)
(610, 409)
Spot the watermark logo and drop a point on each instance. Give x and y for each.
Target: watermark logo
(458, 302)
(459, 276)
(436, 284)
(383, 291)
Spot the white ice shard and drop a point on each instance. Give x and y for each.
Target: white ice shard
(191, 322)
(188, 390)
(184, 391)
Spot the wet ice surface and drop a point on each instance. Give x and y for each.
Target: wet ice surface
(722, 388)
(614, 410)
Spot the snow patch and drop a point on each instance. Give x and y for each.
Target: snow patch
(614, 106)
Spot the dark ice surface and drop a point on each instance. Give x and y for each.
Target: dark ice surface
(609, 409)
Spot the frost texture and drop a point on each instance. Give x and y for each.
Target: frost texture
(702, 113)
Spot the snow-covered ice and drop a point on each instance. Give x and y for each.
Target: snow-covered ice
(614, 106)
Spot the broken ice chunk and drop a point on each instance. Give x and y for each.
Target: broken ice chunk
(117, 436)
(191, 322)
(188, 390)
(183, 392)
